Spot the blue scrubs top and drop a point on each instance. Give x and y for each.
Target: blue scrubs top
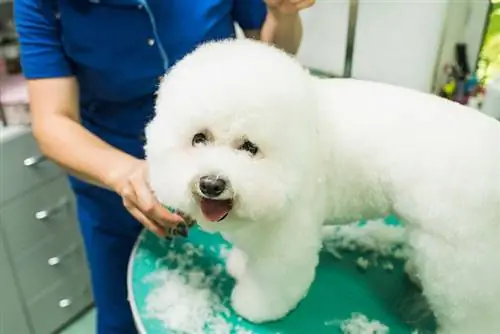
(118, 49)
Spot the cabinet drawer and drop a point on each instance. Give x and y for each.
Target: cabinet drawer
(46, 211)
(60, 304)
(56, 259)
(23, 166)
(12, 317)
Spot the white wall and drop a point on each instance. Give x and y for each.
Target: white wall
(239, 31)
(397, 42)
(324, 41)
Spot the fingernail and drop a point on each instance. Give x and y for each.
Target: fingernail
(181, 230)
(189, 221)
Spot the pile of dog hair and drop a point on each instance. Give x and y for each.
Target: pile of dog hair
(374, 238)
(189, 299)
(360, 324)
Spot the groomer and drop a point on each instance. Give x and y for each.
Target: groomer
(92, 68)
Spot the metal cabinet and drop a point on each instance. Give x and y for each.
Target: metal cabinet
(12, 317)
(43, 272)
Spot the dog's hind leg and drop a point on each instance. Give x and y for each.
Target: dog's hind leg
(460, 277)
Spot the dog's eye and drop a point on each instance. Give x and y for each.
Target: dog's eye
(199, 139)
(249, 147)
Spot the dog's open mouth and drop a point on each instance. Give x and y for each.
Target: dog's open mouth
(215, 210)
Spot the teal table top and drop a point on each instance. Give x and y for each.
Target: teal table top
(340, 291)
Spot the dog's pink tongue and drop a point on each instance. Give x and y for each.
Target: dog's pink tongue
(215, 210)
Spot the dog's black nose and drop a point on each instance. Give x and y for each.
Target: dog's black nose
(212, 185)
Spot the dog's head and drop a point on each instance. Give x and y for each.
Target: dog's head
(233, 134)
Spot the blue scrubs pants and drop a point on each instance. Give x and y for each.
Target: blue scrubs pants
(109, 233)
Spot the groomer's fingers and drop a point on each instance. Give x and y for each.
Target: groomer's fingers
(143, 194)
(129, 202)
(154, 210)
(274, 2)
(303, 4)
(129, 197)
(147, 223)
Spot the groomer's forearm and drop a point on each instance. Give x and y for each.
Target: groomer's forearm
(81, 153)
(283, 30)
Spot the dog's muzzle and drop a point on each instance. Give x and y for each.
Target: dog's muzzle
(215, 197)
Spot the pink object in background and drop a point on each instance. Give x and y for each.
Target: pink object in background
(14, 100)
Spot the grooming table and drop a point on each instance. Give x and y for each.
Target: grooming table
(339, 290)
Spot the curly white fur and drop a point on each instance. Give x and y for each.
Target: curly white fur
(335, 151)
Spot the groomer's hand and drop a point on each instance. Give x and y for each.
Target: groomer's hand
(287, 7)
(139, 200)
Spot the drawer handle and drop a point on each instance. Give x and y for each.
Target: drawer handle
(34, 160)
(54, 261)
(40, 215)
(67, 302)
(44, 214)
(64, 303)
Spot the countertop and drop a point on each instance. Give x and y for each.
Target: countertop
(12, 131)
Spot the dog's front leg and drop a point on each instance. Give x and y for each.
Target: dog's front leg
(236, 263)
(277, 275)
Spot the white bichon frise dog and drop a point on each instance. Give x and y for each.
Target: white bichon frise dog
(251, 145)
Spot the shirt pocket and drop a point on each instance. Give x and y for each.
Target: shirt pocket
(112, 48)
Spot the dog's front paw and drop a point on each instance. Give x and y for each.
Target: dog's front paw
(236, 263)
(258, 305)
